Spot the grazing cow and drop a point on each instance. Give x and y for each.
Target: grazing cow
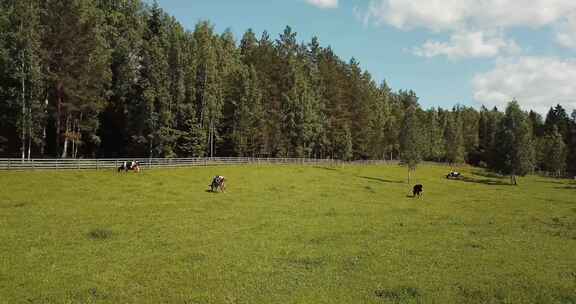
(454, 174)
(126, 166)
(218, 182)
(417, 190)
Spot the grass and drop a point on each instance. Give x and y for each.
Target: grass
(285, 234)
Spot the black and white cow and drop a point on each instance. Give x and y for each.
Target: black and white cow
(417, 190)
(454, 174)
(218, 182)
(126, 166)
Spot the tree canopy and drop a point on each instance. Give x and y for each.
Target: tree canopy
(81, 78)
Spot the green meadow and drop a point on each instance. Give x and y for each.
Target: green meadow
(285, 234)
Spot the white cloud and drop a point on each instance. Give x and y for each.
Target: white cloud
(566, 33)
(476, 44)
(536, 82)
(454, 15)
(457, 16)
(324, 3)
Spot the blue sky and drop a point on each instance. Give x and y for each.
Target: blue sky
(470, 52)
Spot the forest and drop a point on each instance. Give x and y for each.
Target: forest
(122, 78)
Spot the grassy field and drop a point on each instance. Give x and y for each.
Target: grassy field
(285, 234)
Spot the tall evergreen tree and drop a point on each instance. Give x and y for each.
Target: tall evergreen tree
(436, 149)
(554, 153)
(77, 66)
(454, 140)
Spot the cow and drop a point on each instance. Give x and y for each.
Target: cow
(453, 174)
(218, 182)
(417, 190)
(126, 166)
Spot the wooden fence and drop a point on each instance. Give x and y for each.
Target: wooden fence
(149, 163)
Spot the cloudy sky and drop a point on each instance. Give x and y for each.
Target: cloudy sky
(471, 52)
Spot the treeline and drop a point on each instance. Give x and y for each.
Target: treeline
(119, 78)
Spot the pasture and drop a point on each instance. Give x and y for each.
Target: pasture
(285, 234)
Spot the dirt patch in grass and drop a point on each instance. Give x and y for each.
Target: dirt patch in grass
(307, 263)
(100, 234)
(562, 227)
(474, 295)
(398, 294)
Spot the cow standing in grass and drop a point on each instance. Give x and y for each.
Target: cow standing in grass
(218, 182)
(126, 166)
(417, 190)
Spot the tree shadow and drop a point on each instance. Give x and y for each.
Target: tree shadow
(382, 180)
(568, 187)
(325, 168)
(487, 174)
(555, 182)
(485, 181)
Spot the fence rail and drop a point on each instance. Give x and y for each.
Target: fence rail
(149, 163)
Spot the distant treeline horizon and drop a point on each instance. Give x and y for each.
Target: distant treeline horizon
(121, 78)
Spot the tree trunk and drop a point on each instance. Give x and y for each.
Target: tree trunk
(29, 132)
(513, 179)
(43, 145)
(59, 97)
(23, 148)
(66, 139)
(409, 176)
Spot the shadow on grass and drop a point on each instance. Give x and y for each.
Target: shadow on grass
(568, 187)
(214, 192)
(14, 205)
(325, 168)
(399, 295)
(485, 181)
(554, 182)
(307, 263)
(382, 180)
(487, 174)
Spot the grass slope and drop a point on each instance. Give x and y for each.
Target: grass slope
(285, 234)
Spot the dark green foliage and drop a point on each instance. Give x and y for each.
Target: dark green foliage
(105, 78)
(554, 153)
(514, 149)
(410, 140)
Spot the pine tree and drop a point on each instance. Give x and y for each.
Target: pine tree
(554, 153)
(571, 159)
(209, 85)
(454, 139)
(378, 121)
(123, 31)
(77, 67)
(435, 141)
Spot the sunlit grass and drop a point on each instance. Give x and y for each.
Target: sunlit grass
(285, 234)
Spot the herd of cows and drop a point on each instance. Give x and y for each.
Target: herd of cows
(219, 181)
